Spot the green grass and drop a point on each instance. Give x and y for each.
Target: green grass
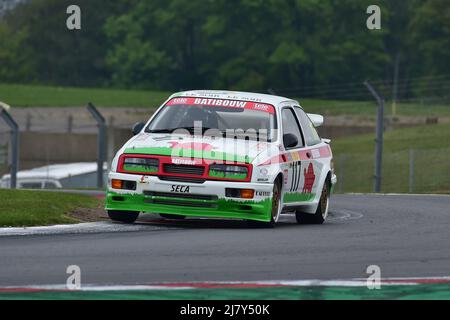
(368, 108)
(47, 96)
(19, 208)
(43, 96)
(354, 159)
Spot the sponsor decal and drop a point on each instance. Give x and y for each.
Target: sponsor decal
(220, 103)
(286, 175)
(184, 161)
(226, 103)
(262, 107)
(289, 157)
(180, 189)
(296, 171)
(180, 101)
(315, 153)
(262, 193)
(144, 180)
(310, 177)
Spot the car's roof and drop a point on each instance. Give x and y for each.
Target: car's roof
(56, 171)
(234, 95)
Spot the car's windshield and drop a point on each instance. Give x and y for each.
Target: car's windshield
(227, 117)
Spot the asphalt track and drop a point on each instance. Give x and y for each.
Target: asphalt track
(406, 236)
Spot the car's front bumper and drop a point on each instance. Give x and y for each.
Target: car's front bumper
(202, 200)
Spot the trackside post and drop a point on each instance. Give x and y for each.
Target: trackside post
(379, 136)
(14, 145)
(411, 171)
(101, 123)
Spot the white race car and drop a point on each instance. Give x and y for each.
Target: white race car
(222, 154)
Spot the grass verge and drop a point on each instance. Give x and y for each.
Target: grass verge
(426, 145)
(20, 208)
(48, 96)
(368, 108)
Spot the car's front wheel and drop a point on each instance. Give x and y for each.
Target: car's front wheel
(275, 209)
(322, 209)
(123, 216)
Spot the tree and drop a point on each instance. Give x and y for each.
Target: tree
(430, 40)
(14, 63)
(61, 56)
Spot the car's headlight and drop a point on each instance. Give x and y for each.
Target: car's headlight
(141, 165)
(228, 171)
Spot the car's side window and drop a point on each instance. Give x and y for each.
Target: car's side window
(291, 126)
(30, 185)
(50, 185)
(309, 131)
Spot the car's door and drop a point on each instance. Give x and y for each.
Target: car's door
(315, 155)
(296, 160)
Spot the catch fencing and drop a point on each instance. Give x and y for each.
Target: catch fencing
(406, 171)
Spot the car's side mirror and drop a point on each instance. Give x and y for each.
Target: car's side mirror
(137, 128)
(290, 140)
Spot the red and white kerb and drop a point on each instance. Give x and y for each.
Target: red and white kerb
(224, 103)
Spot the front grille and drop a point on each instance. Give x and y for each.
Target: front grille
(184, 169)
(181, 195)
(182, 203)
(182, 179)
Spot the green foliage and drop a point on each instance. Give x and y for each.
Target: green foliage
(430, 38)
(60, 56)
(14, 62)
(246, 44)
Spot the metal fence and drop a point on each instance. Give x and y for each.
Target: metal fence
(58, 136)
(408, 171)
(75, 119)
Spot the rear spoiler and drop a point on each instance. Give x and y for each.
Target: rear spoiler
(316, 119)
(4, 106)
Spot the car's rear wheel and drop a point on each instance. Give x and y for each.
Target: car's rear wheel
(322, 209)
(172, 216)
(123, 216)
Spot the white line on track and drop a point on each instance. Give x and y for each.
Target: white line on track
(91, 227)
(343, 214)
(358, 282)
(144, 225)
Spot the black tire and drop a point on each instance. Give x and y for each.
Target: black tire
(276, 210)
(123, 216)
(172, 216)
(322, 209)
